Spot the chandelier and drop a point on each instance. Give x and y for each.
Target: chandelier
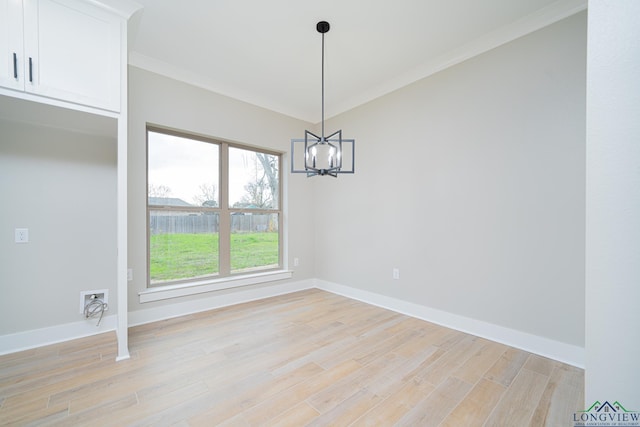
(322, 155)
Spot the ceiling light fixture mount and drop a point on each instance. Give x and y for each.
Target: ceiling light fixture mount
(322, 155)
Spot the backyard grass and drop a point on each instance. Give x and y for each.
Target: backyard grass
(181, 256)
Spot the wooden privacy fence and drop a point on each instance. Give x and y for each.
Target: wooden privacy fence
(209, 223)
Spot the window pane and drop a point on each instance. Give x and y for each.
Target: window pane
(255, 241)
(182, 171)
(182, 244)
(253, 179)
(184, 208)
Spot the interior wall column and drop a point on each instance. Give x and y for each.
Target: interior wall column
(613, 204)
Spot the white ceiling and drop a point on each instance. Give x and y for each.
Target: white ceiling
(268, 53)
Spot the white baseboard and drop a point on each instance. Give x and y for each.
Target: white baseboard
(26, 340)
(148, 315)
(566, 353)
(562, 352)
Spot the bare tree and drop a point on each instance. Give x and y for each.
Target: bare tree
(207, 196)
(270, 167)
(257, 195)
(262, 192)
(159, 190)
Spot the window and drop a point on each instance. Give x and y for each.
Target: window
(214, 208)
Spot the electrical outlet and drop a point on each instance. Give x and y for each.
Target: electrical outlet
(22, 235)
(396, 273)
(296, 262)
(130, 274)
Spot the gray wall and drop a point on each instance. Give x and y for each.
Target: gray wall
(61, 185)
(162, 101)
(472, 183)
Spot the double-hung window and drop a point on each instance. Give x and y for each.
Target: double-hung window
(214, 208)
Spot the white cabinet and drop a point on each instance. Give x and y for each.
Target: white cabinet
(11, 44)
(61, 49)
(72, 54)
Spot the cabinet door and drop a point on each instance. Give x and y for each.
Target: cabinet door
(72, 52)
(11, 44)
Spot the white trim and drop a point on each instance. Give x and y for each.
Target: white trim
(140, 317)
(194, 288)
(548, 15)
(153, 65)
(26, 340)
(566, 353)
(122, 216)
(123, 8)
(55, 334)
(563, 352)
(28, 96)
(544, 17)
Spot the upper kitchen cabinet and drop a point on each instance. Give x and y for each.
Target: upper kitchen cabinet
(11, 44)
(68, 50)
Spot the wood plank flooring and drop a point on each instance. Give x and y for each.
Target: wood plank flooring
(307, 358)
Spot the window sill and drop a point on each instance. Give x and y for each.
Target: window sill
(185, 289)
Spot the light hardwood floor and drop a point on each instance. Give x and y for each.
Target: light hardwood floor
(307, 358)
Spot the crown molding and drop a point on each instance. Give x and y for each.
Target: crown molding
(124, 8)
(198, 80)
(546, 16)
